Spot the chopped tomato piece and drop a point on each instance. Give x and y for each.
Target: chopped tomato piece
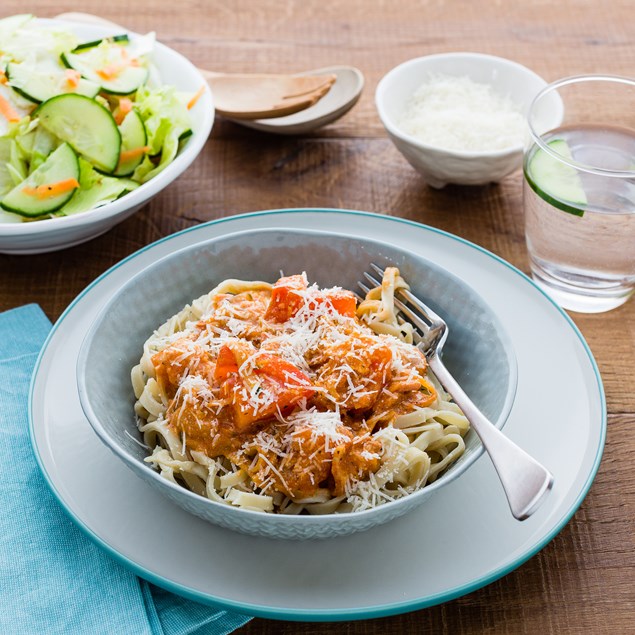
(286, 298)
(344, 302)
(380, 361)
(225, 364)
(272, 384)
(281, 385)
(294, 384)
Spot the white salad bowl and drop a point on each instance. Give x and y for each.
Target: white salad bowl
(440, 166)
(58, 233)
(478, 352)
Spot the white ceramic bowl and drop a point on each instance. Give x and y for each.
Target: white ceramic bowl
(478, 352)
(59, 233)
(440, 166)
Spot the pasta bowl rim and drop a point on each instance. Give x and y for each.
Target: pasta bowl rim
(463, 462)
(205, 115)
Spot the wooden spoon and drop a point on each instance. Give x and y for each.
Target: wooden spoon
(260, 96)
(246, 96)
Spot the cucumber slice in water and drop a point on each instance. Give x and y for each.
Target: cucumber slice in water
(554, 181)
(38, 83)
(61, 165)
(133, 136)
(86, 126)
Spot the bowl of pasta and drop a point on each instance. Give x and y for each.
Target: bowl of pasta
(256, 390)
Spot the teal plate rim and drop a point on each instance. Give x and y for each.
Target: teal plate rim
(325, 615)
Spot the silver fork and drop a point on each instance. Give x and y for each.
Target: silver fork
(525, 481)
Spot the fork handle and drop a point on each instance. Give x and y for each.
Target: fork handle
(525, 481)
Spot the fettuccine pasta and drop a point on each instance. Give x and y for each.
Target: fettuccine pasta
(288, 398)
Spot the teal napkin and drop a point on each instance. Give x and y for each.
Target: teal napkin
(53, 579)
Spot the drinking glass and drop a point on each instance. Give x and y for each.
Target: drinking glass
(579, 193)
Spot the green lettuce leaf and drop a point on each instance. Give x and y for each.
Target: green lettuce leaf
(95, 189)
(166, 118)
(23, 40)
(7, 182)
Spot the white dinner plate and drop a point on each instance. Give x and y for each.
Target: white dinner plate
(461, 539)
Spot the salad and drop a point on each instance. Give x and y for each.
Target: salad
(81, 123)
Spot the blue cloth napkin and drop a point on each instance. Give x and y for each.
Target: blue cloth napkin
(53, 579)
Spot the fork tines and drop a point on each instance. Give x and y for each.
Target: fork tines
(416, 319)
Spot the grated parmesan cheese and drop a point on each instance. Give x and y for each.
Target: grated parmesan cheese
(456, 113)
(334, 352)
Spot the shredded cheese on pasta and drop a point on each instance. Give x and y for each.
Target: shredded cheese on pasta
(288, 398)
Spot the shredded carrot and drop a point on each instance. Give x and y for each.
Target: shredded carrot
(3, 77)
(51, 189)
(131, 61)
(197, 96)
(7, 111)
(125, 106)
(72, 78)
(126, 155)
(110, 71)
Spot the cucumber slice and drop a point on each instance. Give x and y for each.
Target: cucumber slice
(89, 45)
(38, 83)
(186, 134)
(133, 135)
(557, 183)
(126, 79)
(43, 145)
(87, 126)
(60, 166)
(35, 147)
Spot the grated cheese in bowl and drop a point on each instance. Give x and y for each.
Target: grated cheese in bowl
(456, 113)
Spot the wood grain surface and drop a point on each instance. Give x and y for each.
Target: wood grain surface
(584, 580)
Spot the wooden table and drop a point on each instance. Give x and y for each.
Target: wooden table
(584, 580)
